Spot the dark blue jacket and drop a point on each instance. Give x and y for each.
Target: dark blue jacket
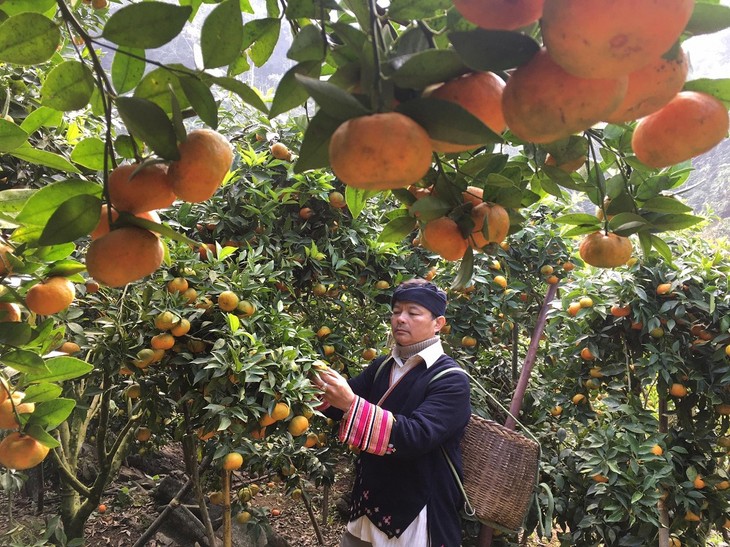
(392, 489)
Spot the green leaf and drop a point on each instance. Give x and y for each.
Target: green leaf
(222, 34)
(290, 93)
(14, 334)
(331, 99)
(42, 117)
(59, 369)
(42, 392)
(578, 219)
(708, 18)
(397, 229)
(466, 270)
(550, 186)
(89, 152)
(307, 45)
(356, 199)
(65, 268)
(156, 86)
(234, 323)
(146, 25)
(262, 35)
(447, 121)
(430, 208)
(148, 121)
(28, 39)
(314, 152)
(662, 248)
(127, 69)
(421, 69)
(245, 92)
(43, 203)
(14, 7)
(74, 218)
(405, 10)
(162, 229)
(493, 50)
(663, 204)
(719, 88)
(23, 361)
(11, 136)
(560, 177)
(68, 86)
(625, 224)
(664, 223)
(42, 157)
(13, 201)
(201, 99)
(39, 434)
(51, 414)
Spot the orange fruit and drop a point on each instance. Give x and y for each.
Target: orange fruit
(323, 331)
(501, 281)
(605, 250)
(678, 390)
(166, 320)
(232, 461)
(664, 288)
(205, 158)
(547, 269)
(19, 452)
(651, 87)
(336, 199)
(468, 342)
(227, 301)
(599, 478)
(569, 165)
(722, 485)
(620, 311)
(50, 296)
(369, 354)
(692, 517)
(143, 434)
(137, 190)
(205, 435)
(5, 266)
(7, 416)
(380, 151)
(382, 285)
(177, 285)
(500, 14)
(102, 227)
(280, 412)
(246, 308)
(574, 308)
(497, 220)
(280, 151)
(443, 237)
(124, 255)
(557, 410)
(657, 450)
(699, 482)
(298, 425)
(163, 340)
(578, 398)
(701, 119)
(69, 347)
(190, 295)
(480, 94)
(587, 354)
(552, 280)
(101, 508)
(243, 517)
(544, 103)
(568, 266)
(9, 312)
(311, 441)
(134, 391)
(4, 390)
(586, 302)
(611, 38)
(181, 328)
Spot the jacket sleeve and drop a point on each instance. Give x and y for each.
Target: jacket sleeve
(360, 385)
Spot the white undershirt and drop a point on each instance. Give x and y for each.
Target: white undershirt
(416, 535)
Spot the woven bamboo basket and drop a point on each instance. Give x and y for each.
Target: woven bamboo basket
(500, 472)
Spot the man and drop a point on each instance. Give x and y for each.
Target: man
(402, 416)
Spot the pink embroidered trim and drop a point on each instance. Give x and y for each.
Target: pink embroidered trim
(367, 427)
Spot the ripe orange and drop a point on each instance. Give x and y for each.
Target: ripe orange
(552, 280)
(311, 441)
(587, 354)
(124, 255)
(586, 302)
(678, 390)
(611, 38)
(134, 391)
(544, 103)
(497, 220)
(568, 266)
(692, 517)
(500, 14)
(369, 354)
(701, 119)
(232, 461)
(50, 296)
(651, 87)
(227, 301)
(102, 227)
(246, 308)
(138, 190)
(547, 269)
(382, 285)
(663, 289)
(578, 398)
(280, 412)
(9, 312)
(556, 411)
(305, 213)
(99, 4)
(181, 328)
(163, 340)
(468, 342)
(101, 508)
(574, 308)
(569, 165)
(19, 452)
(143, 434)
(280, 151)
(205, 158)
(380, 151)
(166, 320)
(600, 478)
(698, 482)
(657, 450)
(501, 281)
(605, 250)
(7, 416)
(69, 347)
(480, 94)
(5, 266)
(298, 425)
(243, 517)
(177, 285)
(620, 311)
(443, 237)
(336, 199)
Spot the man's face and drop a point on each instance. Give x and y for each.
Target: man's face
(412, 323)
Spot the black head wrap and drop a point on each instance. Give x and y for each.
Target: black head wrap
(427, 295)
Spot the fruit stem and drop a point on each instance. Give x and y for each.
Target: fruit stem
(375, 31)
